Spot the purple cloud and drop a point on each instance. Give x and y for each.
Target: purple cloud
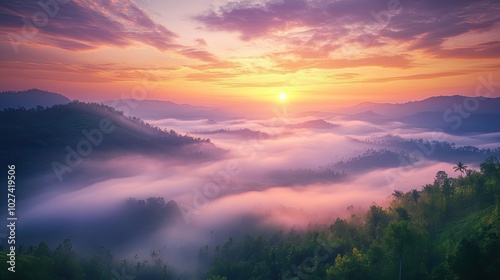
(82, 24)
(422, 24)
(201, 41)
(258, 20)
(198, 54)
(428, 24)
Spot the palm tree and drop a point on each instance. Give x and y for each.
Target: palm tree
(460, 167)
(397, 194)
(415, 195)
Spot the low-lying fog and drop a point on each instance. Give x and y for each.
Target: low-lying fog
(276, 175)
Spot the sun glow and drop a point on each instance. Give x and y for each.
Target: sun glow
(282, 96)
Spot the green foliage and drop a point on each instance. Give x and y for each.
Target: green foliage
(376, 220)
(66, 264)
(28, 268)
(351, 266)
(448, 230)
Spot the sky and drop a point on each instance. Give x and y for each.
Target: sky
(321, 53)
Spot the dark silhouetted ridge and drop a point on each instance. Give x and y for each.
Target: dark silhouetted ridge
(30, 99)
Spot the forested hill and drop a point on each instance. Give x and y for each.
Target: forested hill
(31, 98)
(37, 137)
(449, 229)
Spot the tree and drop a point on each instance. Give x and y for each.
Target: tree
(349, 267)
(402, 214)
(376, 220)
(490, 166)
(467, 260)
(397, 194)
(440, 178)
(42, 250)
(67, 265)
(399, 236)
(415, 195)
(428, 189)
(340, 228)
(460, 167)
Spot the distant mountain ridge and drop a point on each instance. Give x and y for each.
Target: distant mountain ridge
(31, 99)
(485, 105)
(313, 124)
(158, 109)
(433, 112)
(455, 114)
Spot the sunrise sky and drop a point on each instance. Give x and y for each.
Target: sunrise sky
(216, 52)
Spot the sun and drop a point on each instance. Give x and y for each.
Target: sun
(282, 96)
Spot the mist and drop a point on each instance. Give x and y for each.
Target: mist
(272, 176)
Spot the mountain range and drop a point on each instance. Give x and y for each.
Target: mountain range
(453, 114)
(484, 105)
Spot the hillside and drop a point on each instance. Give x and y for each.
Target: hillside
(450, 229)
(29, 99)
(39, 137)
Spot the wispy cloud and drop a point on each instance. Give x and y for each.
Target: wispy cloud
(345, 76)
(253, 20)
(417, 77)
(79, 72)
(318, 28)
(199, 54)
(210, 76)
(201, 41)
(89, 24)
(396, 61)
